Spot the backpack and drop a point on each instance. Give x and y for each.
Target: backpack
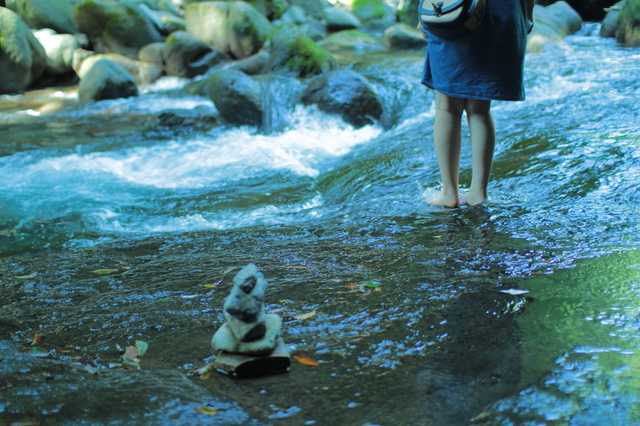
(451, 18)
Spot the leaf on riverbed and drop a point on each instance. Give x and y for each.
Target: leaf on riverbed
(130, 358)
(36, 340)
(34, 351)
(25, 277)
(214, 285)
(305, 360)
(302, 316)
(207, 410)
(514, 291)
(305, 315)
(299, 267)
(365, 287)
(142, 347)
(104, 271)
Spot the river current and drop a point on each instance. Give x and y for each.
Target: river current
(525, 310)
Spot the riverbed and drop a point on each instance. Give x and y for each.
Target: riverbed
(116, 227)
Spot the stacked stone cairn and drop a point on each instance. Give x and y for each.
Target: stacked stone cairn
(249, 343)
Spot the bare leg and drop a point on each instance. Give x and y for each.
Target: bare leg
(483, 140)
(447, 133)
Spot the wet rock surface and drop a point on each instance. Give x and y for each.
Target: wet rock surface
(46, 391)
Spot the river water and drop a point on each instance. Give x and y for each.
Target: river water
(117, 227)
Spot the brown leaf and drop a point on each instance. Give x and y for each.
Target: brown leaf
(305, 360)
(131, 353)
(207, 410)
(104, 271)
(36, 340)
(305, 315)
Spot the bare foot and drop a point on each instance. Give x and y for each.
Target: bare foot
(473, 199)
(447, 200)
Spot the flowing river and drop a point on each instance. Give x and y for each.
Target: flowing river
(117, 227)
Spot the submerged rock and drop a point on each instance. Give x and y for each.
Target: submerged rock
(47, 391)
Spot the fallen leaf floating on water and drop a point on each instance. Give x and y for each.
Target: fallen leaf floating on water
(104, 271)
(207, 410)
(299, 267)
(514, 291)
(205, 376)
(305, 360)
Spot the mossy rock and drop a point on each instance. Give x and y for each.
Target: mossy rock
(628, 29)
(293, 53)
(53, 14)
(350, 40)
(114, 27)
(373, 10)
(22, 57)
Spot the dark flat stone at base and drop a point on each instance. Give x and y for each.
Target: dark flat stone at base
(239, 365)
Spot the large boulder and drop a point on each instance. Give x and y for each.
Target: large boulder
(407, 12)
(339, 19)
(346, 93)
(402, 36)
(373, 12)
(591, 10)
(54, 14)
(142, 72)
(350, 40)
(22, 57)
(106, 80)
(185, 55)
(628, 30)
(237, 29)
(237, 97)
(114, 27)
(559, 16)
(59, 49)
(610, 21)
(293, 53)
(253, 65)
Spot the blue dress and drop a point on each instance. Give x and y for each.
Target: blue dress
(486, 63)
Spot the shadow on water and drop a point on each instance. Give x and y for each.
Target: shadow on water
(116, 229)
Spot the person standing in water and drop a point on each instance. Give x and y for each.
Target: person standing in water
(467, 73)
